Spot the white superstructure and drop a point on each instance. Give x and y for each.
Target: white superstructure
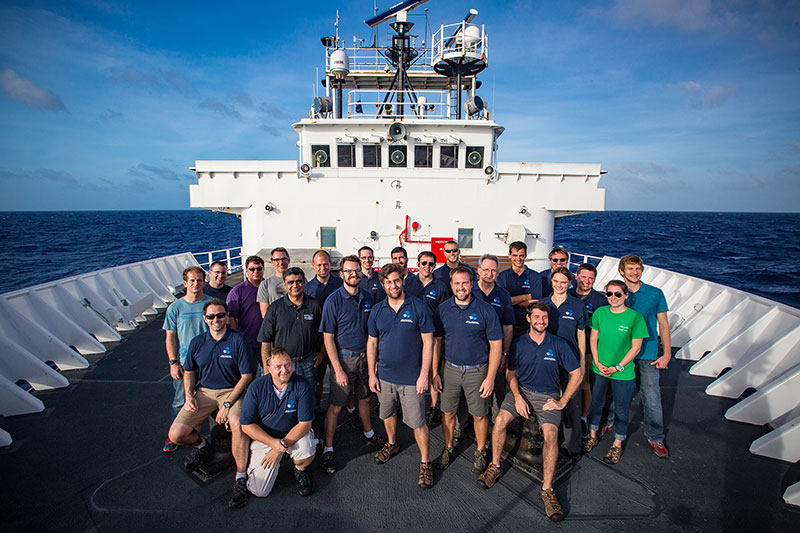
(386, 158)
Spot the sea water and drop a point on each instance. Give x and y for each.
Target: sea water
(755, 252)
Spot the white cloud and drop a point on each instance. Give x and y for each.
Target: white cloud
(707, 98)
(26, 91)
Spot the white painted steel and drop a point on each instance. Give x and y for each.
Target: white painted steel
(15, 401)
(781, 443)
(5, 438)
(18, 363)
(771, 402)
(792, 495)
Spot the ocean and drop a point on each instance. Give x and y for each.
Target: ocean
(755, 252)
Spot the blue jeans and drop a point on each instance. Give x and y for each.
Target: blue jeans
(621, 392)
(649, 378)
(307, 370)
(179, 398)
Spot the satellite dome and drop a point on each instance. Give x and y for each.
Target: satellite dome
(340, 63)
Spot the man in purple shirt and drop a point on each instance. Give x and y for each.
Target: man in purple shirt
(244, 313)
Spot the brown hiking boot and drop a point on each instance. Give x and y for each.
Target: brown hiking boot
(490, 475)
(551, 506)
(425, 475)
(387, 452)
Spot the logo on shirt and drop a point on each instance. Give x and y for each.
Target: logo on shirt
(496, 301)
(526, 283)
(308, 316)
(623, 327)
(472, 319)
(406, 317)
(432, 294)
(589, 306)
(226, 353)
(568, 315)
(366, 307)
(549, 355)
(291, 407)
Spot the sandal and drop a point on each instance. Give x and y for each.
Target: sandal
(613, 455)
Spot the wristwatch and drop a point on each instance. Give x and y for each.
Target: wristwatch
(173, 362)
(620, 368)
(226, 404)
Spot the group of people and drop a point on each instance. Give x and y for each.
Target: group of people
(496, 345)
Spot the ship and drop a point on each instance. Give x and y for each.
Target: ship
(398, 150)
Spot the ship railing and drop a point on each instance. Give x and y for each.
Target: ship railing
(371, 60)
(459, 40)
(576, 260)
(230, 256)
(366, 102)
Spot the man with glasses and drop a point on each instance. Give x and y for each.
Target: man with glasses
(369, 278)
(272, 288)
(323, 284)
(244, 313)
(434, 292)
(411, 284)
(217, 371)
(292, 322)
(522, 283)
(217, 274)
(558, 258)
(344, 332)
(452, 254)
(182, 323)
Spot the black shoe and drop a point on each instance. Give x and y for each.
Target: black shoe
(304, 484)
(240, 494)
(434, 416)
(375, 439)
(355, 420)
(196, 457)
(327, 463)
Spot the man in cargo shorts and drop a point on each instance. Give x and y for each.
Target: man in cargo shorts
(473, 346)
(217, 371)
(399, 355)
(533, 379)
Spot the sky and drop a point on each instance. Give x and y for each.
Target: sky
(690, 105)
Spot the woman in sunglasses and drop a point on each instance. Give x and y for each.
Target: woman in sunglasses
(617, 333)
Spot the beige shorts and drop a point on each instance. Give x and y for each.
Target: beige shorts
(260, 480)
(208, 401)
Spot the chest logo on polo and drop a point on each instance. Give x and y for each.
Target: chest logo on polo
(472, 319)
(569, 315)
(308, 316)
(226, 353)
(406, 316)
(526, 283)
(549, 355)
(432, 294)
(291, 406)
(496, 301)
(367, 305)
(589, 306)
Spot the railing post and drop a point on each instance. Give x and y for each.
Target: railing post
(228, 259)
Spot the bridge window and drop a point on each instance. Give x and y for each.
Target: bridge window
(327, 237)
(423, 156)
(321, 155)
(465, 238)
(448, 157)
(347, 155)
(372, 155)
(474, 156)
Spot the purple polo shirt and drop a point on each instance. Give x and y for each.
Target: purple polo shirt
(242, 306)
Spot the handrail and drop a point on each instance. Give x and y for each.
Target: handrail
(232, 257)
(586, 259)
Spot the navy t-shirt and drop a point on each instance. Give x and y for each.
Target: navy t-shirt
(547, 283)
(320, 292)
(435, 293)
(467, 332)
(591, 301)
(400, 339)
(277, 416)
(566, 319)
(221, 293)
(537, 365)
(346, 316)
(372, 286)
(413, 286)
(528, 283)
(443, 273)
(219, 364)
(500, 300)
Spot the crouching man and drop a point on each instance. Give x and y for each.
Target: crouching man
(216, 373)
(276, 414)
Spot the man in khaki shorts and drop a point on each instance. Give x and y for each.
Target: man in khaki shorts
(534, 364)
(399, 355)
(216, 373)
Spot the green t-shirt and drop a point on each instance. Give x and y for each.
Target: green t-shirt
(615, 331)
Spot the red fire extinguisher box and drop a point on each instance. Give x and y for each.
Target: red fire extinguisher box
(437, 247)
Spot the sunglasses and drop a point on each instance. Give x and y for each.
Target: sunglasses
(454, 250)
(426, 263)
(559, 260)
(609, 294)
(255, 269)
(218, 315)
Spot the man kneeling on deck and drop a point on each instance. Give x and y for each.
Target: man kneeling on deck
(277, 414)
(533, 377)
(217, 371)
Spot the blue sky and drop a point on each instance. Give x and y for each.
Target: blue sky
(689, 104)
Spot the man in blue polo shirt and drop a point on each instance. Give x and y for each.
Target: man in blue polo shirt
(399, 356)
(473, 347)
(369, 278)
(277, 414)
(217, 371)
(434, 291)
(411, 284)
(452, 254)
(534, 365)
(522, 283)
(321, 286)
(344, 332)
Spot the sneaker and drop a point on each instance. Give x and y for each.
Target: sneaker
(304, 484)
(327, 463)
(375, 439)
(604, 429)
(551, 506)
(434, 416)
(658, 448)
(196, 457)
(387, 452)
(444, 459)
(425, 475)
(240, 493)
(169, 446)
(490, 475)
(612, 455)
(457, 434)
(479, 464)
(355, 420)
(589, 443)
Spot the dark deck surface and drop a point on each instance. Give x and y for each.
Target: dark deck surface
(93, 461)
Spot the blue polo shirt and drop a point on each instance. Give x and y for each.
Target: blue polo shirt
(467, 332)
(320, 292)
(529, 282)
(413, 286)
(591, 301)
(500, 300)
(537, 365)
(566, 319)
(346, 316)
(547, 284)
(435, 293)
(649, 301)
(277, 416)
(219, 363)
(372, 285)
(400, 339)
(443, 273)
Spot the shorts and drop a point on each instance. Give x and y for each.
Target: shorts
(455, 380)
(406, 396)
(260, 480)
(536, 401)
(208, 402)
(357, 380)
